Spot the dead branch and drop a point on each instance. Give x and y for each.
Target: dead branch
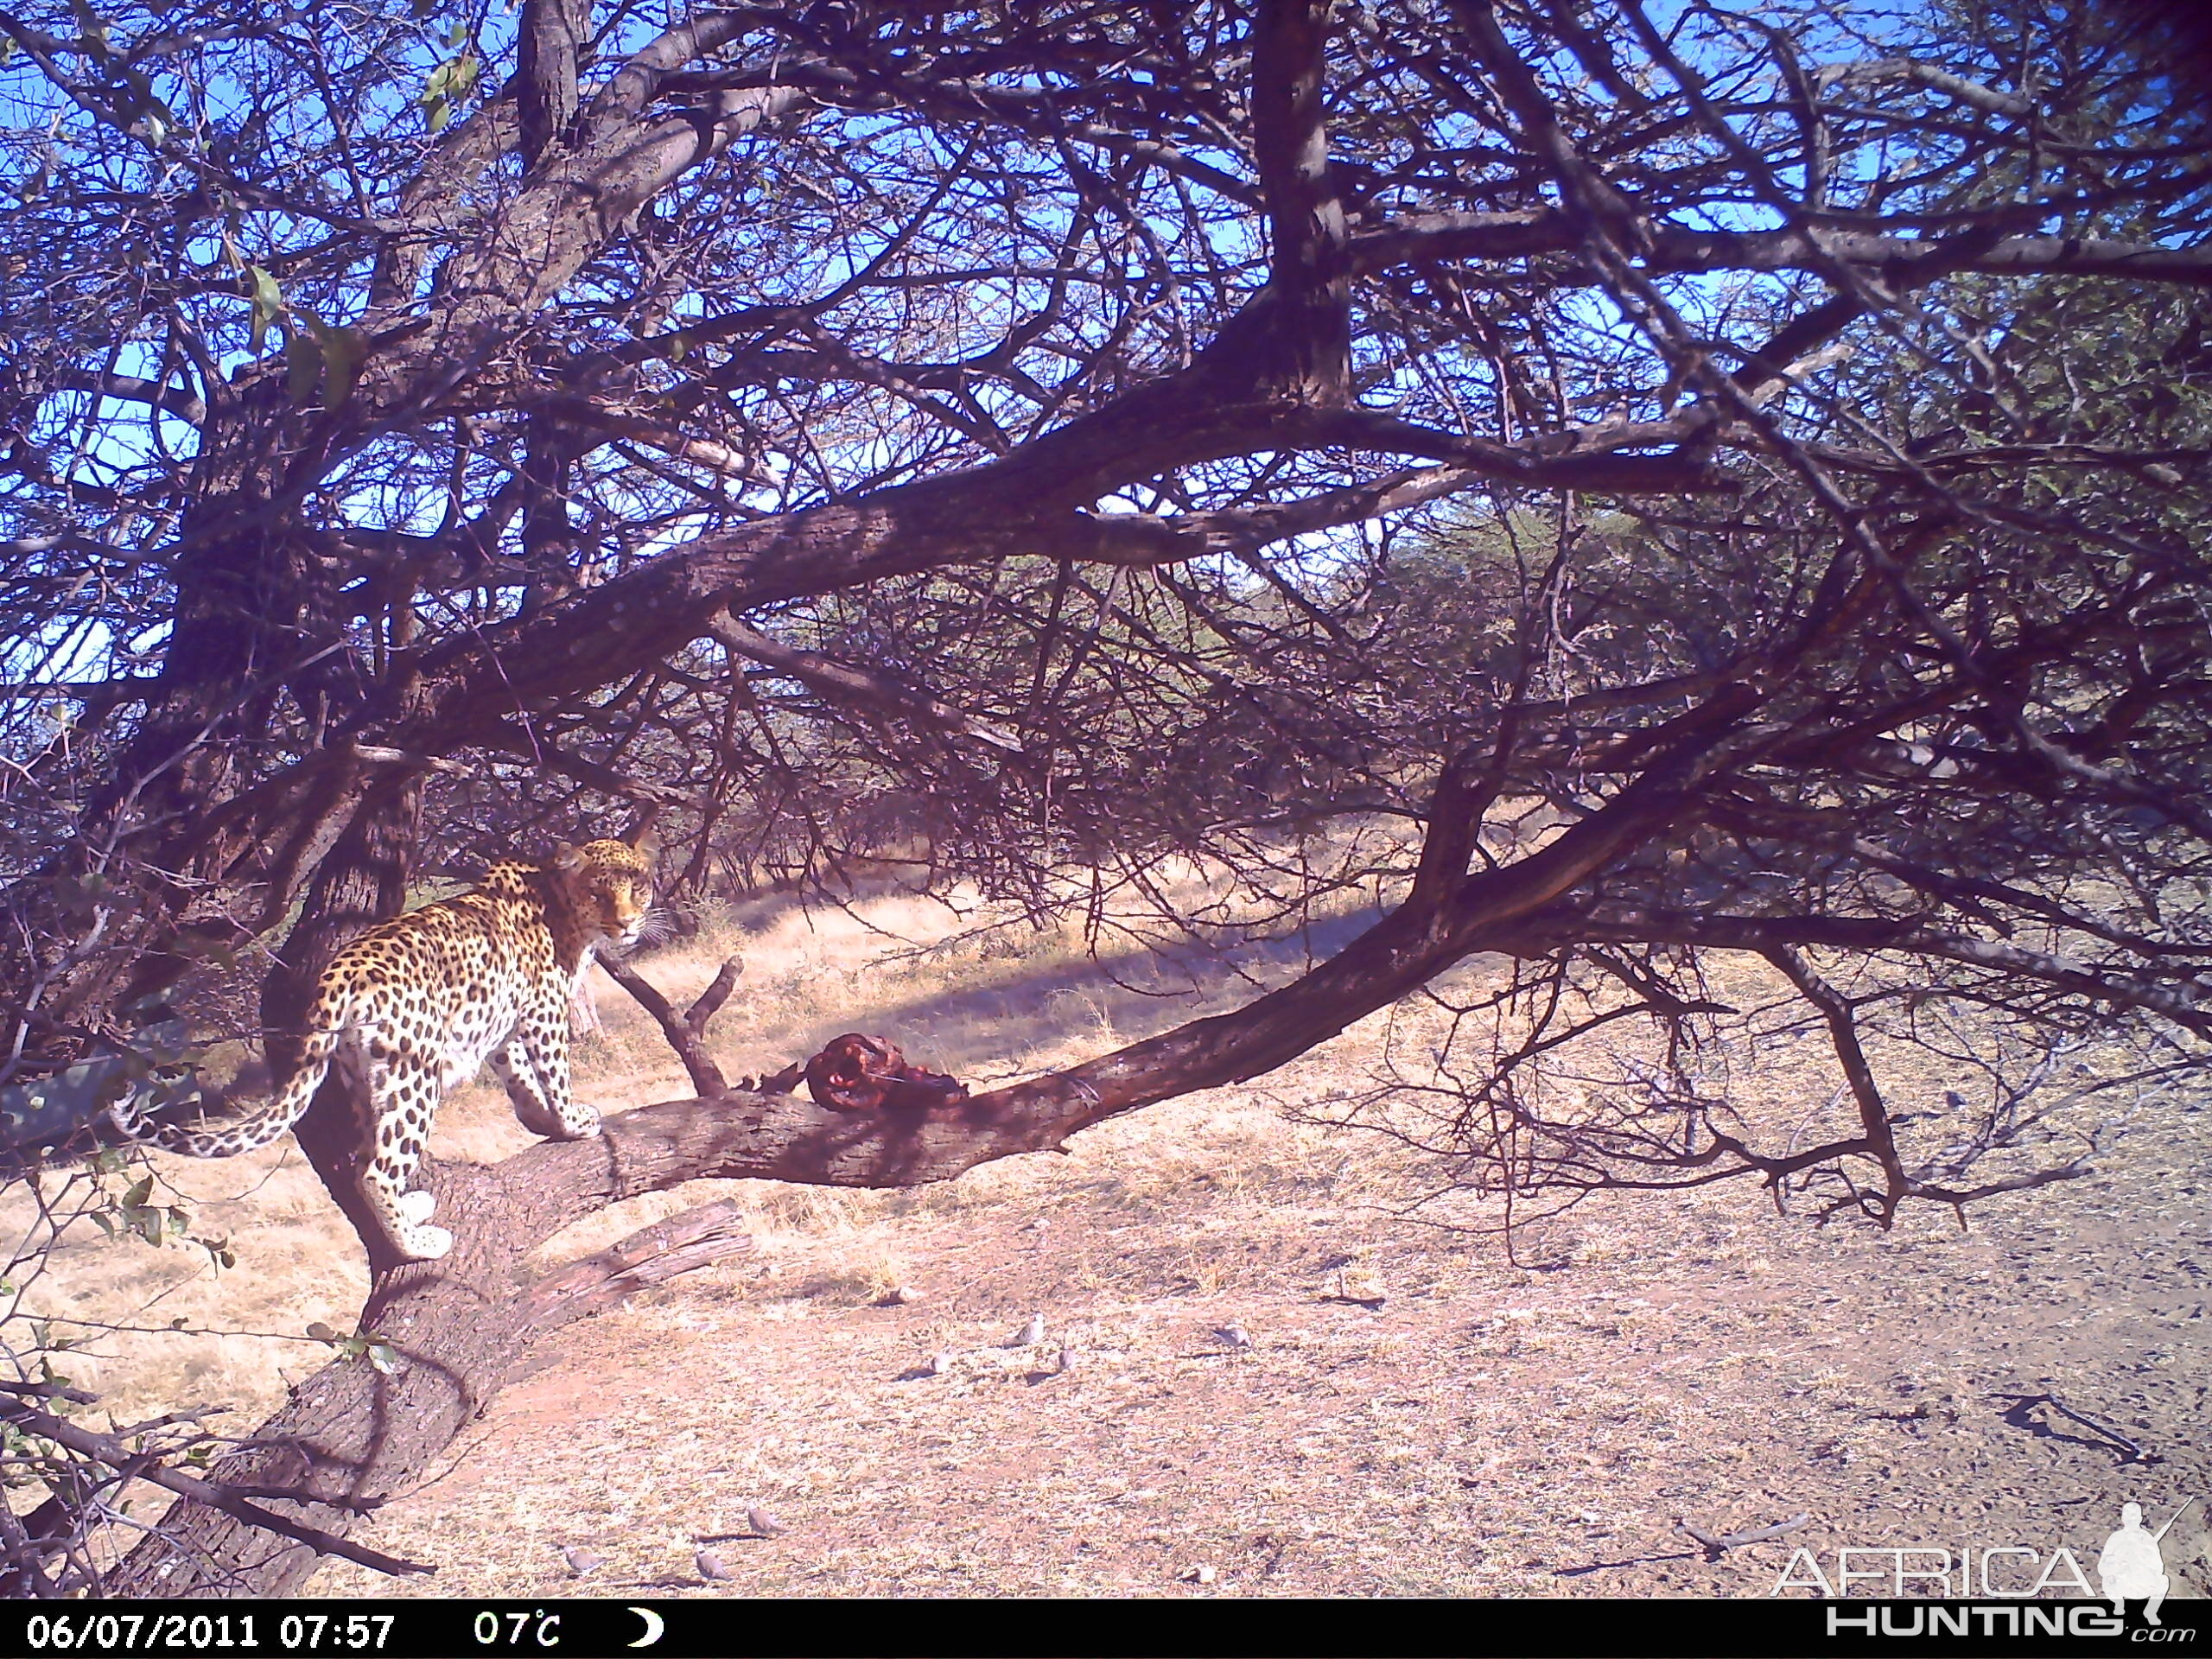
(710, 1001)
(685, 1032)
(145, 1465)
(650, 1256)
(1718, 1544)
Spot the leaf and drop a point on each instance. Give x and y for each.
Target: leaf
(302, 365)
(385, 1358)
(140, 1191)
(447, 88)
(433, 101)
(268, 303)
(344, 350)
(322, 1333)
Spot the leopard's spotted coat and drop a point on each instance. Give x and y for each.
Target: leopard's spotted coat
(415, 1005)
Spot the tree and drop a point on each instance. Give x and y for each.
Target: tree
(1755, 451)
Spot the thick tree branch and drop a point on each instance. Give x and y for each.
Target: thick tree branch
(844, 682)
(2172, 990)
(1540, 231)
(546, 91)
(1308, 267)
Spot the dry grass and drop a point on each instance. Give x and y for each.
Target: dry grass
(1489, 1428)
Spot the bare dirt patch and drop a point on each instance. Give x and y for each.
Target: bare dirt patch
(1486, 1430)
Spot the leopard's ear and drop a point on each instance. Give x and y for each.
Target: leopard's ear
(565, 858)
(646, 842)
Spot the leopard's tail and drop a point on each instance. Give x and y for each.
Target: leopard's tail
(227, 1140)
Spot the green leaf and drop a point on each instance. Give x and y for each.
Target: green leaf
(141, 1190)
(344, 350)
(385, 1357)
(268, 303)
(302, 365)
(447, 88)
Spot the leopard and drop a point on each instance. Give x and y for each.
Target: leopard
(417, 1004)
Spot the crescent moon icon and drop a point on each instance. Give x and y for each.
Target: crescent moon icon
(656, 1627)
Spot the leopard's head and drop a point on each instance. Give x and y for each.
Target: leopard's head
(609, 885)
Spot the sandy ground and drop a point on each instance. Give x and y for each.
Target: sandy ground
(1485, 1430)
(1417, 1412)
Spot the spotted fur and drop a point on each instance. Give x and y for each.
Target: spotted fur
(416, 1004)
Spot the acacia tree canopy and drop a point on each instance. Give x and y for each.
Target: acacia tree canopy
(1758, 450)
(1644, 489)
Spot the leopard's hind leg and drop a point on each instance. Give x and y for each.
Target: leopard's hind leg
(402, 1095)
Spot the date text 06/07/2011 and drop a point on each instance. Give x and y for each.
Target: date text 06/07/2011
(242, 1633)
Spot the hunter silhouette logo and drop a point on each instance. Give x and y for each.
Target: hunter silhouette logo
(2131, 1564)
(2130, 1568)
